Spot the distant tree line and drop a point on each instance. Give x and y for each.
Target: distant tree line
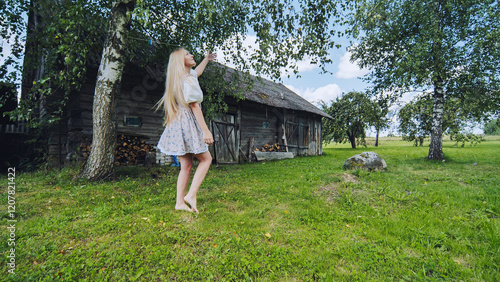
(492, 127)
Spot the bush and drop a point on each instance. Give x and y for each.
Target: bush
(492, 127)
(460, 137)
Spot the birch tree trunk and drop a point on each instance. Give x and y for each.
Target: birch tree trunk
(436, 146)
(101, 160)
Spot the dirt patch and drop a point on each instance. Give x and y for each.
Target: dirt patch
(332, 190)
(346, 177)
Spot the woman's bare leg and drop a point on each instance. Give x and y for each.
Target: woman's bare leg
(205, 162)
(186, 162)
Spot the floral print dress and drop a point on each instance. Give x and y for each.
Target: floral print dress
(183, 135)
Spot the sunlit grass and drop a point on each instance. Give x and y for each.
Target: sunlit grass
(301, 219)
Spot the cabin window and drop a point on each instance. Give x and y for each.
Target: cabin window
(132, 121)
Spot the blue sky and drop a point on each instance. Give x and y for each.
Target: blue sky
(344, 76)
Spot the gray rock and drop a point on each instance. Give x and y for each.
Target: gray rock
(365, 160)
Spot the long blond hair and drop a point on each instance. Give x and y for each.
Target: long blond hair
(173, 98)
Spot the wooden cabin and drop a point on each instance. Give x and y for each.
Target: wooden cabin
(269, 114)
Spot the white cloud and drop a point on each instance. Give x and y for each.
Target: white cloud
(408, 96)
(306, 65)
(314, 95)
(349, 70)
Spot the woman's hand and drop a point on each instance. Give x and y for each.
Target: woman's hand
(211, 56)
(208, 137)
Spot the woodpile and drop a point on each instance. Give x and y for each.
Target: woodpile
(85, 146)
(130, 150)
(269, 148)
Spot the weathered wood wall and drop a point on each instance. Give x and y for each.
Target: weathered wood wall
(140, 92)
(265, 125)
(257, 122)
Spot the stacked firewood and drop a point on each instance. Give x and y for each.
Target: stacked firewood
(131, 150)
(268, 148)
(85, 146)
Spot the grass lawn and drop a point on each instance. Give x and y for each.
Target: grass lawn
(302, 219)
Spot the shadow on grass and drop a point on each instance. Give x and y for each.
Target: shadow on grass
(140, 172)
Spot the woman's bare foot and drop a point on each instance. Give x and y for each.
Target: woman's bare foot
(192, 203)
(183, 207)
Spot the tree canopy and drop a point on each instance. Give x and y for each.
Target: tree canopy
(415, 118)
(448, 46)
(352, 114)
(492, 127)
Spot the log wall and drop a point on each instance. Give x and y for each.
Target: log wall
(265, 125)
(140, 92)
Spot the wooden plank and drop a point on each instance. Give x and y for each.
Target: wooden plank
(250, 149)
(271, 156)
(278, 114)
(284, 138)
(238, 131)
(243, 154)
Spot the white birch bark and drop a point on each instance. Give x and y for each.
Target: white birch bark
(101, 160)
(436, 146)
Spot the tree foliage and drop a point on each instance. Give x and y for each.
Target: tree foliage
(11, 46)
(492, 127)
(64, 39)
(448, 46)
(12, 29)
(352, 114)
(415, 121)
(415, 118)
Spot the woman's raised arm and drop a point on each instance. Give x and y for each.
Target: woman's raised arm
(201, 67)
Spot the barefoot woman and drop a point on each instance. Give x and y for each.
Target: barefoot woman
(186, 134)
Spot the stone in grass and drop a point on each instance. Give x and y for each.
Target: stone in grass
(365, 160)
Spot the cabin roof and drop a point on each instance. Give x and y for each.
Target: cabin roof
(278, 95)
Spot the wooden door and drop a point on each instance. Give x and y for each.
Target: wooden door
(225, 146)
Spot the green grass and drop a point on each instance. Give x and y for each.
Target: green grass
(302, 219)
